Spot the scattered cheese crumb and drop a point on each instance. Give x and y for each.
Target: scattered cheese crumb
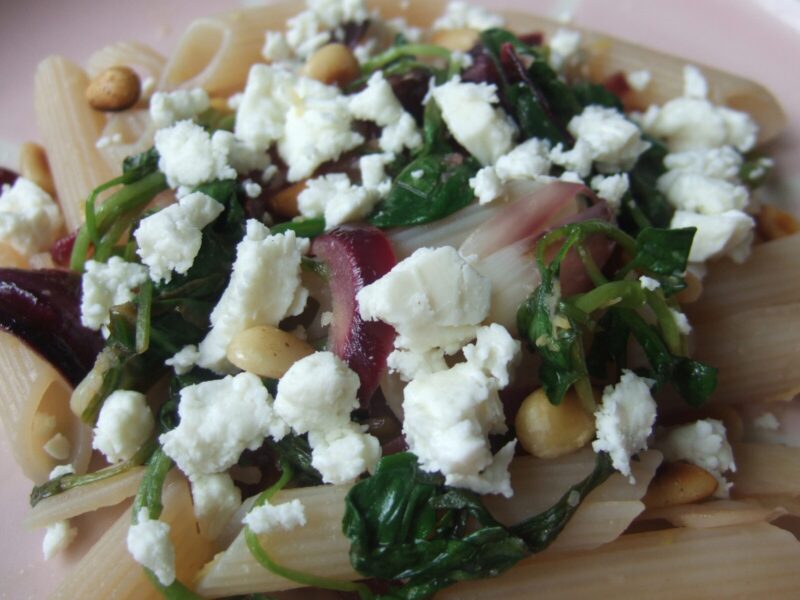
(184, 359)
(268, 517)
(124, 424)
(639, 80)
(149, 544)
(564, 46)
(335, 198)
(29, 218)
(648, 283)
(57, 537)
(215, 500)
(189, 155)
(106, 285)
(60, 471)
(167, 108)
(462, 15)
(767, 422)
(612, 189)
(681, 322)
(729, 233)
(341, 455)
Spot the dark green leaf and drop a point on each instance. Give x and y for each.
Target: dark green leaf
(644, 202)
(303, 227)
(587, 94)
(664, 251)
(139, 165)
(695, 381)
(296, 452)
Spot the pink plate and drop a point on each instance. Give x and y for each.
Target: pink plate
(758, 39)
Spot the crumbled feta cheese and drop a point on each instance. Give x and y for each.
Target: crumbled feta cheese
(184, 359)
(149, 544)
(418, 174)
(317, 393)
(494, 352)
(564, 45)
(264, 289)
(433, 299)
(106, 285)
(58, 447)
(462, 15)
(311, 29)
(701, 194)
(486, 185)
(611, 188)
(377, 103)
(648, 283)
(719, 163)
(494, 479)
(725, 234)
(108, 140)
(333, 13)
(467, 109)
(413, 363)
(341, 455)
(215, 500)
(276, 48)
(603, 136)
(57, 537)
(335, 198)
(167, 108)
(60, 471)
(694, 84)
(400, 26)
(305, 34)
(124, 424)
(705, 444)
(681, 322)
(278, 517)
(462, 59)
(639, 80)
(625, 420)
(767, 422)
(29, 218)
(363, 52)
(251, 188)
(568, 176)
(170, 239)
(261, 117)
(189, 156)
(526, 161)
(218, 421)
(448, 418)
(373, 172)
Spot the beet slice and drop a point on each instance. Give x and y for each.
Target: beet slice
(43, 309)
(357, 255)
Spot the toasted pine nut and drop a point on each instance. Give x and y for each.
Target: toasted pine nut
(333, 63)
(116, 88)
(774, 223)
(459, 40)
(33, 165)
(679, 483)
(284, 203)
(266, 351)
(548, 431)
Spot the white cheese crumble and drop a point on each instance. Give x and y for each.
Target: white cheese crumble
(767, 422)
(341, 455)
(167, 108)
(681, 321)
(373, 172)
(29, 218)
(189, 156)
(106, 285)
(264, 289)
(218, 421)
(625, 420)
(276, 517)
(276, 47)
(149, 544)
(705, 444)
(694, 84)
(719, 163)
(108, 140)
(612, 189)
(487, 185)
(529, 160)
(124, 424)
(60, 471)
(410, 364)
(184, 359)
(215, 500)
(648, 283)
(462, 15)
(701, 194)
(603, 136)
(729, 233)
(564, 46)
(335, 198)
(639, 80)
(433, 298)
(58, 447)
(169, 240)
(494, 352)
(468, 110)
(448, 416)
(57, 537)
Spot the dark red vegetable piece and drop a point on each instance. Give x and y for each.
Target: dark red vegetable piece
(43, 309)
(61, 250)
(7, 176)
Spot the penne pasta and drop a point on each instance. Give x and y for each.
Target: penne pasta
(85, 498)
(34, 407)
(752, 561)
(135, 132)
(108, 571)
(763, 470)
(141, 57)
(719, 513)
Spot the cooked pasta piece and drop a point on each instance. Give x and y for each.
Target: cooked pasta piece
(69, 129)
(85, 498)
(140, 57)
(34, 408)
(764, 470)
(108, 571)
(750, 561)
(719, 513)
(126, 134)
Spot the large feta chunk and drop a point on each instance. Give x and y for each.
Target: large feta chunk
(149, 544)
(124, 424)
(57, 537)
(261, 116)
(106, 285)
(449, 416)
(703, 443)
(189, 155)
(625, 420)
(167, 108)
(433, 298)
(469, 112)
(264, 289)
(215, 499)
(29, 218)
(276, 517)
(341, 455)
(700, 193)
(462, 15)
(169, 240)
(335, 198)
(218, 421)
(729, 233)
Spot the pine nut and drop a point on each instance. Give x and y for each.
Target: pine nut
(284, 203)
(460, 40)
(679, 483)
(333, 63)
(266, 351)
(548, 431)
(33, 165)
(116, 88)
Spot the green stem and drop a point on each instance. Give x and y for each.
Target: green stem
(397, 52)
(149, 493)
(628, 294)
(145, 305)
(590, 265)
(583, 386)
(666, 322)
(577, 232)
